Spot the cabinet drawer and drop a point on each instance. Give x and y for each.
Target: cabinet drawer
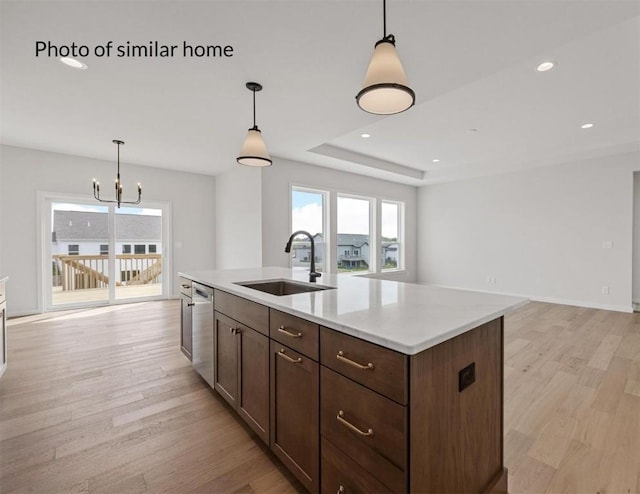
(250, 313)
(185, 286)
(366, 426)
(341, 474)
(378, 368)
(296, 333)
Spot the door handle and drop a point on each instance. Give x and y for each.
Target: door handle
(352, 363)
(292, 334)
(350, 426)
(282, 354)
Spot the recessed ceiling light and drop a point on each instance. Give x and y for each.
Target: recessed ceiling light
(586, 126)
(72, 62)
(365, 136)
(545, 66)
(436, 160)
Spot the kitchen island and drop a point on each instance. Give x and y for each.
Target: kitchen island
(366, 385)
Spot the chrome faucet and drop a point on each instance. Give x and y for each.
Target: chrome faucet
(312, 271)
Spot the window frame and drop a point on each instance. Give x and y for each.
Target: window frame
(330, 229)
(373, 256)
(400, 239)
(325, 265)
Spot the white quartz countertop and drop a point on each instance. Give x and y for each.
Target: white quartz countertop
(405, 317)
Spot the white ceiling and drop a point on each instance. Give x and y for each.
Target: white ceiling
(471, 64)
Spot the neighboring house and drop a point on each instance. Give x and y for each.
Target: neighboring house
(352, 251)
(84, 233)
(87, 233)
(389, 253)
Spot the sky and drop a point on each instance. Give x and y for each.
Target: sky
(353, 214)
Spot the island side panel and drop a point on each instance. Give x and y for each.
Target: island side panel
(456, 437)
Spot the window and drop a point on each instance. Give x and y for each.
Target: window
(74, 249)
(369, 231)
(140, 249)
(354, 225)
(104, 249)
(308, 214)
(126, 248)
(152, 249)
(390, 222)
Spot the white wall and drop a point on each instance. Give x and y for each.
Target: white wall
(276, 206)
(25, 171)
(238, 218)
(636, 238)
(539, 232)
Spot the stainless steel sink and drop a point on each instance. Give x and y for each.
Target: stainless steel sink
(283, 287)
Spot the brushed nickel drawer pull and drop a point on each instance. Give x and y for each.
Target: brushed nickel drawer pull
(284, 330)
(349, 425)
(234, 330)
(289, 359)
(344, 359)
(341, 490)
(186, 286)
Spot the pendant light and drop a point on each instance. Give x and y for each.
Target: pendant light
(118, 184)
(385, 89)
(254, 151)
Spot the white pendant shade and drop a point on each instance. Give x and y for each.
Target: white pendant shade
(254, 151)
(385, 90)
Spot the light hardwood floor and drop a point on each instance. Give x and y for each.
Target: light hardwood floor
(103, 401)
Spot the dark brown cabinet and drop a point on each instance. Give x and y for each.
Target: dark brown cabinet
(241, 373)
(3, 327)
(225, 348)
(253, 380)
(186, 318)
(345, 415)
(294, 413)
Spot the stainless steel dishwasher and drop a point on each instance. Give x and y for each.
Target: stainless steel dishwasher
(203, 331)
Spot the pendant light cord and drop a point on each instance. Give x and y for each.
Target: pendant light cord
(254, 109)
(384, 18)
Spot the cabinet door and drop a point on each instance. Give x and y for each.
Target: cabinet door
(225, 346)
(253, 393)
(295, 427)
(3, 334)
(186, 334)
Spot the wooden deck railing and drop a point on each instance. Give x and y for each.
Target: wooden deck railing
(82, 272)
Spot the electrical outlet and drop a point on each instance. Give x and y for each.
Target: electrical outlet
(466, 377)
(605, 290)
(607, 244)
(488, 278)
(493, 280)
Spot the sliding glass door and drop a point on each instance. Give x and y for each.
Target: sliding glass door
(95, 254)
(138, 252)
(79, 266)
